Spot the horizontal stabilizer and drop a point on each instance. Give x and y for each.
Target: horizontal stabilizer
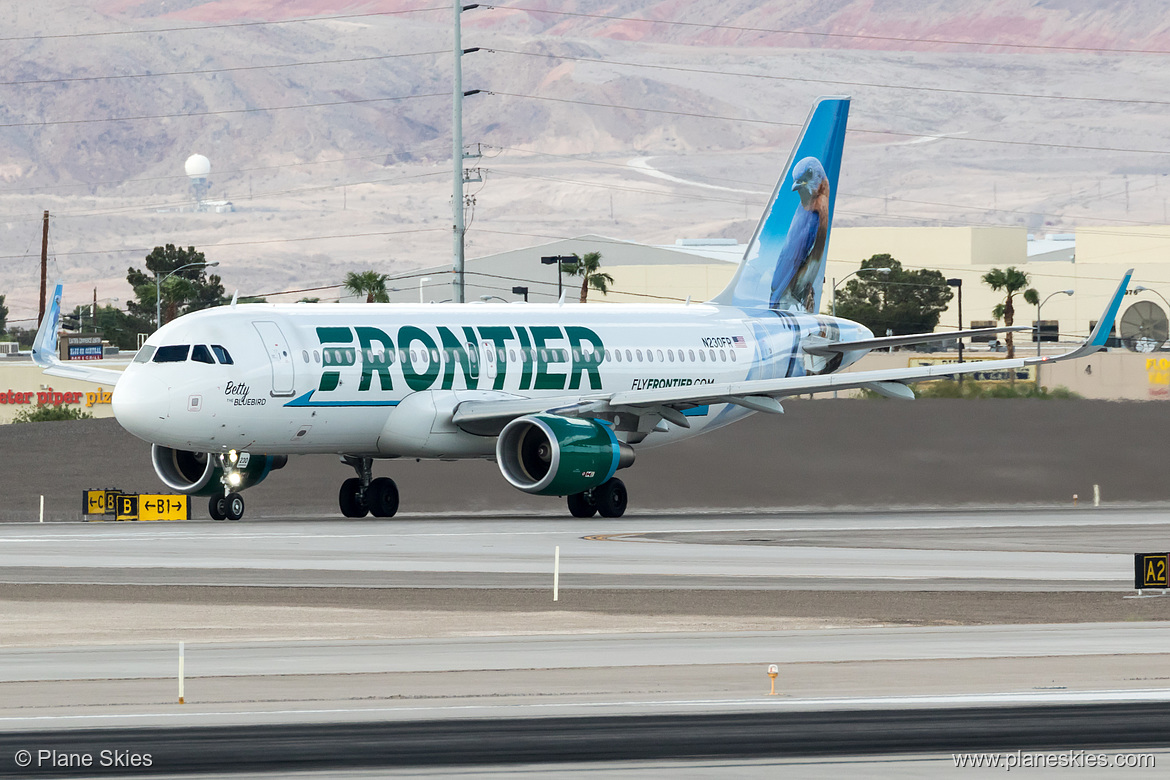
(827, 348)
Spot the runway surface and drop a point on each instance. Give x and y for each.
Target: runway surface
(989, 550)
(909, 631)
(583, 651)
(479, 743)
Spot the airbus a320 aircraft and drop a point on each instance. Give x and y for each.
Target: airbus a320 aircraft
(560, 396)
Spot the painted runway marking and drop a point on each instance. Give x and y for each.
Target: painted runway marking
(875, 702)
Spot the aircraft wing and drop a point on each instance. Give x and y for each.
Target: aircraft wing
(44, 350)
(828, 348)
(760, 394)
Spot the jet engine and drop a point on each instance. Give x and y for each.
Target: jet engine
(558, 456)
(198, 473)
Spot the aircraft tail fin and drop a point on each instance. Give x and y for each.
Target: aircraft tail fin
(784, 266)
(44, 348)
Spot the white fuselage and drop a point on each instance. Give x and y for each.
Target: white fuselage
(382, 380)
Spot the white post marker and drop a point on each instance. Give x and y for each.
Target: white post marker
(556, 572)
(181, 673)
(42, 510)
(1096, 495)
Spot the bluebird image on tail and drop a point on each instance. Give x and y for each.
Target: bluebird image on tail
(783, 268)
(804, 246)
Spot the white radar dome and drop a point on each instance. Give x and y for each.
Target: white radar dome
(197, 166)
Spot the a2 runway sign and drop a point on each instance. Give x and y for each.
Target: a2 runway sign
(1150, 570)
(116, 505)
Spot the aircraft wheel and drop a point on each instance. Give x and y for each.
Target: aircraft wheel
(234, 506)
(382, 497)
(611, 498)
(348, 498)
(217, 508)
(583, 504)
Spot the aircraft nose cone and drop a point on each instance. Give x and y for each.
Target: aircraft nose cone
(141, 404)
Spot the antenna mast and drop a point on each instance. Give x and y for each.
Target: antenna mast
(457, 156)
(44, 266)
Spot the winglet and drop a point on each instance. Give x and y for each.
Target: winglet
(1100, 335)
(44, 349)
(1104, 327)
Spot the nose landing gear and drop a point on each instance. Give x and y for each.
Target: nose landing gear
(229, 506)
(364, 495)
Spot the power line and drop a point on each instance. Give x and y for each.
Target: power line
(222, 112)
(122, 250)
(896, 133)
(620, 188)
(214, 70)
(835, 82)
(223, 26)
(270, 194)
(847, 36)
(224, 172)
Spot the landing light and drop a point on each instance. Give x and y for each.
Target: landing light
(234, 479)
(233, 456)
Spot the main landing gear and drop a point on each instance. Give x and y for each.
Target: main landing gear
(362, 495)
(607, 499)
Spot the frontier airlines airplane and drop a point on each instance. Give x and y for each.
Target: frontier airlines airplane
(559, 396)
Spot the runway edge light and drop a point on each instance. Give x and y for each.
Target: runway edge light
(773, 671)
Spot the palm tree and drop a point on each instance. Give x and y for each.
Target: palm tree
(1010, 281)
(370, 283)
(589, 268)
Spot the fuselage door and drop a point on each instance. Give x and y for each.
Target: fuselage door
(279, 355)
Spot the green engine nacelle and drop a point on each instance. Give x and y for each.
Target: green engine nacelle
(557, 456)
(198, 474)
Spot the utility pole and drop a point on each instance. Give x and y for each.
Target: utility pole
(457, 156)
(44, 265)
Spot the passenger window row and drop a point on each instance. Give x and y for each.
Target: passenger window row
(347, 356)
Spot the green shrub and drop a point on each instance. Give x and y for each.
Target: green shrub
(949, 388)
(50, 413)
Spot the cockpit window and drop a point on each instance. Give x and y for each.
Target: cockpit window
(144, 354)
(222, 354)
(201, 354)
(172, 354)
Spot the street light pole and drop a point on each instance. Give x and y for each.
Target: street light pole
(837, 284)
(959, 283)
(884, 271)
(559, 260)
(521, 291)
(158, 288)
(1038, 306)
(1142, 288)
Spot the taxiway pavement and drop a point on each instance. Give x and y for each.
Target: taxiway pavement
(1078, 549)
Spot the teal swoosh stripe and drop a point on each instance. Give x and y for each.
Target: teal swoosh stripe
(307, 400)
(698, 411)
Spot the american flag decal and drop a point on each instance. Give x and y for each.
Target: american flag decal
(738, 342)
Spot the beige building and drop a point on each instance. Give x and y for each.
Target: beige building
(23, 386)
(1089, 263)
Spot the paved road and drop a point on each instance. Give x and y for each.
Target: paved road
(1041, 549)
(496, 742)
